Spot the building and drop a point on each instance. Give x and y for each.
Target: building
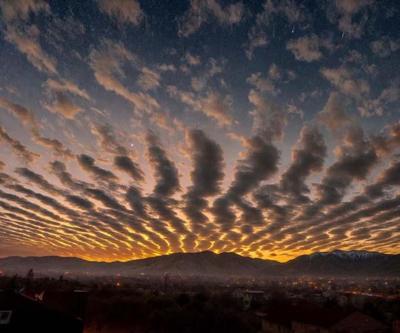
(358, 322)
(308, 318)
(19, 313)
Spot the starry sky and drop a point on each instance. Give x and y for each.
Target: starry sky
(134, 128)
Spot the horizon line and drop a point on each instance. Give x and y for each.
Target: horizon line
(198, 252)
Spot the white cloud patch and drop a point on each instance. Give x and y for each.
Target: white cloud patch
(201, 10)
(309, 48)
(15, 15)
(27, 42)
(149, 79)
(345, 81)
(346, 10)
(385, 46)
(60, 93)
(335, 114)
(107, 64)
(123, 11)
(269, 119)
(213, 105)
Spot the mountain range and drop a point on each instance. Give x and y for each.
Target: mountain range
(335, 263)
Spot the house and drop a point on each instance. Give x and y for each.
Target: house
(19, 313)
(358, 322)
(304, 317)
(300, 317)
(396, 326)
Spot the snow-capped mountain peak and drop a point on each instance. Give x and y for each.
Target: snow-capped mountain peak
(350, 255)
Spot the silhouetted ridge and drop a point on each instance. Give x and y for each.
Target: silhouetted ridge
(226, 264)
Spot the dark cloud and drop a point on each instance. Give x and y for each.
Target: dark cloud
(88, 164)
(356, 159)
(38, 180)
(125, 163)
(260, 162)
(79, 202)
(307, 158)
(104, 198)
(30, 206)
(389, 178)
(206, 176)
(108, 140)
(167, 184)
(28, 119)
(21, 112)
(44, 199)
(165, 171)
(135, 200)
(55, 145)
(18, 148)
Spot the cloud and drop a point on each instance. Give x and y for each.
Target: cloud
(88, 164)
(258, 164)
(167, 184)
(343, 79)
(381, 104)
(165, 171)
(60, 93)
(59, 169)
(262, 84)
(38, 180)
(206, 175)
(200, 11)
(15, 15)
(192, 60)
(289, 9)
(107, 64)
(256, 39)
(66, 86)
(307, 158)
(389, 178)
(334, 114)
(356, 158)
(269, 119)
(18, 148)
(44, 199)
(63, 105)
(107, 139)
(21, 9)
(346, 13)
(27, 118)
(149, 79)
(218, 107)
(213, 105)
(135, 200)
(79, 202)
(387, 143)
(101, 196)
(124, 163)
(123, 11)
(21, 112)
(384, 47)
(308, 48)
(26, 39)
(55, 145)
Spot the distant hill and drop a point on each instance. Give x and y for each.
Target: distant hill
(335, 263)
(345, 263)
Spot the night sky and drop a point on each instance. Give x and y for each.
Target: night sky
(134, 128)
